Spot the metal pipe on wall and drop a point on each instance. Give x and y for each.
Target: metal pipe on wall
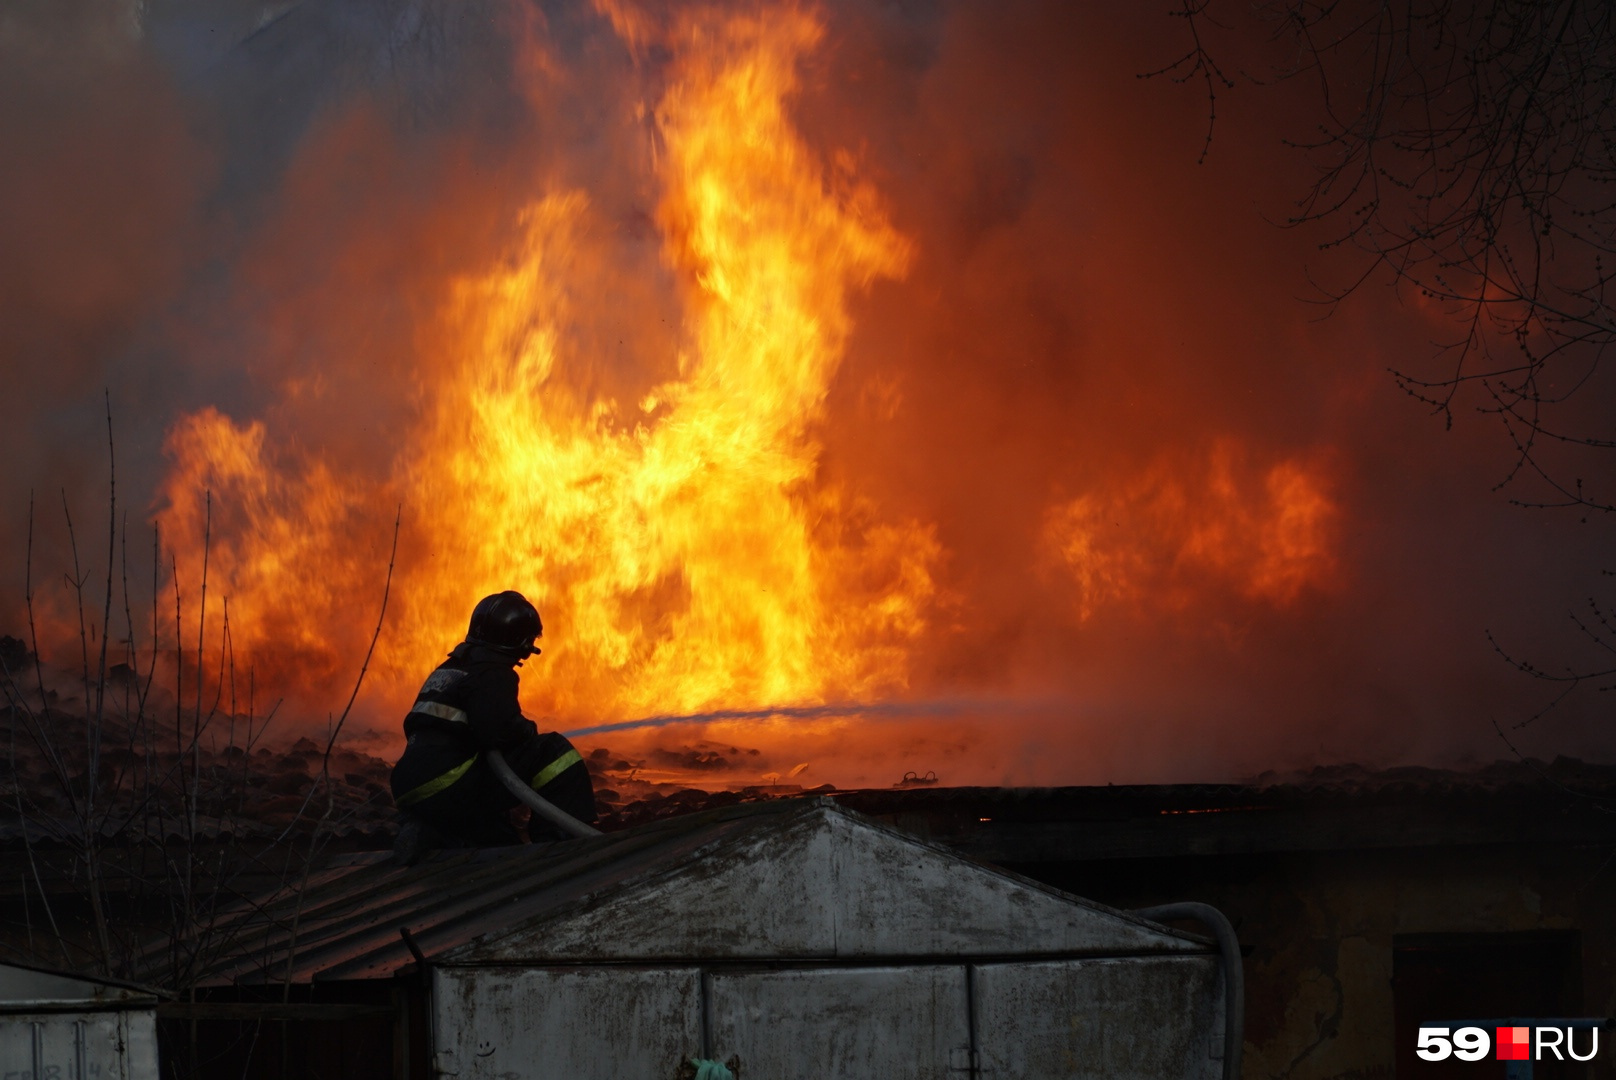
(1234, 979)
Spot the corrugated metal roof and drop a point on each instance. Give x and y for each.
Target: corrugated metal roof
(348, 917)
(345, 923)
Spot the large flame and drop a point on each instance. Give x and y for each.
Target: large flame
(681, 547)
(662, 493)
(882, 383)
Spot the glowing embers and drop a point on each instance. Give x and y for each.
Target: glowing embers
(1184, 528)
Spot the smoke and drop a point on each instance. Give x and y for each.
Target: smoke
(101, 190)
(1092, 323)
(1185, 526)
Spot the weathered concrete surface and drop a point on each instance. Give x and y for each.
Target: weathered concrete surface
(807, 1024)
(1330, 935)
(62, 1026)
(817, 943)
(1324, 876)
(1135, 1018)
(825, 885)
(565, 1023)
(1320, 929)
(1125, 1019)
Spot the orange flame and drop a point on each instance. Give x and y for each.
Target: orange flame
(663, 501)
(681, 547)
(1269, 533)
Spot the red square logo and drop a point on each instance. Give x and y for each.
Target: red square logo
(1514, 1044)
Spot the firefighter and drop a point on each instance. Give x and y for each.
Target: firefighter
(444, 786)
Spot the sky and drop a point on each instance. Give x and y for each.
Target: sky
(921, 357)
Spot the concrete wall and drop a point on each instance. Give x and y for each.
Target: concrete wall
(1321, 928)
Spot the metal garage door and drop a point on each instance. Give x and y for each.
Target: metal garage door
(1155, 1017)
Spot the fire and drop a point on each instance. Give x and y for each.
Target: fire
(679, 542)
(1268, 533)
(623, 418)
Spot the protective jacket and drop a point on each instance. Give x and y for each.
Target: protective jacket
(466, 707)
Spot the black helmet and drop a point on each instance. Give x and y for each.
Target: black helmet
(507, 622)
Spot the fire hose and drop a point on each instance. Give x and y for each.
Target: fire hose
(546, 809)
(1234, 981)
